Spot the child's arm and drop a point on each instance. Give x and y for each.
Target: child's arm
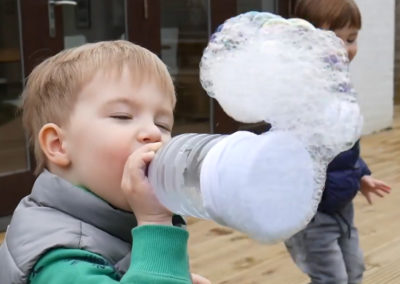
(159, 251)
(159, 255)
(150, 212)
(365, 171)
(370, 185)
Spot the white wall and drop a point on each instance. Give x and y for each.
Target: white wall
(373, 68)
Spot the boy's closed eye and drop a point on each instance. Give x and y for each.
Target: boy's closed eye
(351, 40)
(121, 116)
(164, 127)
(164, 120)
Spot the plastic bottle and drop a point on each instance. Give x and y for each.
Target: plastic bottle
(175, 173)
(262, 185)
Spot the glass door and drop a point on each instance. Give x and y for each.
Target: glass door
(13, 154)
(92, 21)
(184, 35)
(15, 164)
(31, 31)
(185, 29)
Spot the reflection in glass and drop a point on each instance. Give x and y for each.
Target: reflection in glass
(92, 21)
(184, 35)
(12, 139)
(256, 5)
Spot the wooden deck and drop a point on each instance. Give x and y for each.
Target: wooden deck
(228, 257)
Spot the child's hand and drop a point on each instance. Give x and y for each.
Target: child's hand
(197, 279)
(138, 191)
(370, 185)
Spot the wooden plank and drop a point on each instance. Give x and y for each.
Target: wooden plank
(225, 256)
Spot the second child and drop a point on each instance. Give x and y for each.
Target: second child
(328, 249)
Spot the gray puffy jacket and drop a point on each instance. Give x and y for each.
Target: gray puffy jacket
(58, 214)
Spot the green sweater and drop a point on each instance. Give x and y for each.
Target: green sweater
(159, 255)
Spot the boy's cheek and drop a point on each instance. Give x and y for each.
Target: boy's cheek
(118, 156)
(166, 139)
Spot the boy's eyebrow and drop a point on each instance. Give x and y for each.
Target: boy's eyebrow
(166, 114)
(166, 111)
(122, 100)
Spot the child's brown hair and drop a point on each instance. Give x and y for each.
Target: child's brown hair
(52, 88)
(329, 14)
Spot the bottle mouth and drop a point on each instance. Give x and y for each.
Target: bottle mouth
(262, 185)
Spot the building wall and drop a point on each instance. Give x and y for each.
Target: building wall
(373, 68)
(397, 54)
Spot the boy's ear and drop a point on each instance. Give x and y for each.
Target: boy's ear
(51, 142)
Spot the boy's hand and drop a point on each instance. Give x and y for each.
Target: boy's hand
(197, 279)
(138, 191)
(370, 185)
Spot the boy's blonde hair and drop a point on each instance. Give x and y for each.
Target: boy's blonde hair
(52, 88)
(333, 14)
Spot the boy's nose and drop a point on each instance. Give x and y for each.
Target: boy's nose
(149, 133)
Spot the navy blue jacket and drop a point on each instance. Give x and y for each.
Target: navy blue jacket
(343, 180)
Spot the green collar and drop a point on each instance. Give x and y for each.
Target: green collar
(84, 188)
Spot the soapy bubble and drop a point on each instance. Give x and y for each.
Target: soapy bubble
(262, 67)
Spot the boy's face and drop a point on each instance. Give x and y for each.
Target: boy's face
(113, 116)
(349, 36)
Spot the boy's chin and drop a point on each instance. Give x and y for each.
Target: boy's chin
(122, 205)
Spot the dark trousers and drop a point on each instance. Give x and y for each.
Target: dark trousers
(328, 250)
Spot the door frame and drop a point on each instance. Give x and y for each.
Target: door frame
(34, 48)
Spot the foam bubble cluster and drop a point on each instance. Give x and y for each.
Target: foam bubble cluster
(262, 67)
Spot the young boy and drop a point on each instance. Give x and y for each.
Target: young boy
(328, 248)
(96, 115)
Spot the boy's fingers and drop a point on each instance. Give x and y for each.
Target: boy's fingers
(197, 279)
(135, 169)
(145, 154)
(152, 146)
(382, 184)
(378, 193)
(368, 197)
(385, 189)
(148, 156)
